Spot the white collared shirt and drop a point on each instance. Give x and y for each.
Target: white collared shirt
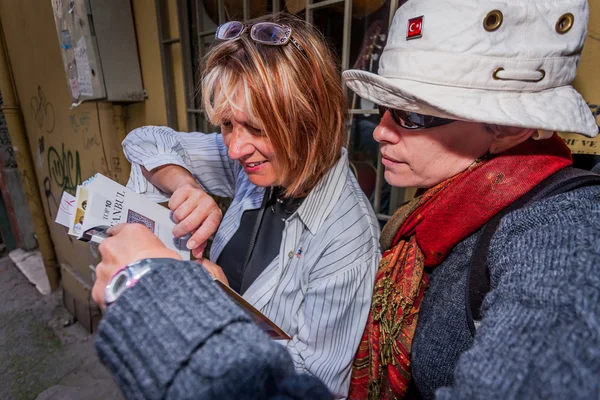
(318, 289)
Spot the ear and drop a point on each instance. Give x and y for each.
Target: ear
(508, 137)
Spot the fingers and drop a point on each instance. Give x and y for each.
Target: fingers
(206, 213)
(197, 251)
(182, 194)
(115, 229)
(214, 270)
(128, 230)
(98, 293)
(104, 271)
(185, 209)
(207, 228)
(190, 223)
(125, 242)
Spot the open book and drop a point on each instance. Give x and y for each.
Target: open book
(100, 203)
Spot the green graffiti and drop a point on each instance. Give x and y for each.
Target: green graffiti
(62, 166)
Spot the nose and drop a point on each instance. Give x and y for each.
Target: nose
(239, 143)
(387, 131)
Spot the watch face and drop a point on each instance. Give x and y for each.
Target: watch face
(120, 283)
(128, 276)
(116, 286)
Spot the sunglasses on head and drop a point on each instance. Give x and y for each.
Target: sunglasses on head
(414, 121)
(268, 33)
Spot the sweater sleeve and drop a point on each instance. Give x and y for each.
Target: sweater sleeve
(203, 155)
(540, 332)
(176, 335)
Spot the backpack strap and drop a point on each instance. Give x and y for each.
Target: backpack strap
(478, 278)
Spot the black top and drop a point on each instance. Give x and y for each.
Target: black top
(247, 254)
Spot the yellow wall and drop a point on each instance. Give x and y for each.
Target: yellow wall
(177, 67)
(70, 144)
(588, 82)
(152, 111)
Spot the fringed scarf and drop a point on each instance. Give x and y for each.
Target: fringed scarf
(420, 235)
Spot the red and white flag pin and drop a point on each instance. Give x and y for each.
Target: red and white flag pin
(415, 28)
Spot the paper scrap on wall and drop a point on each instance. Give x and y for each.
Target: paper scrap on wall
(84, 76)
(73, 83)
(57, 6)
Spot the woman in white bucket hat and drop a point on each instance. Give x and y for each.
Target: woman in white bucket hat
(489, 285)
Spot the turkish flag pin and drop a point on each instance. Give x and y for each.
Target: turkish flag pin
(415, 28)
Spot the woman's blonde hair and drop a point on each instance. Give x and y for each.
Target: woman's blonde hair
(296, 95)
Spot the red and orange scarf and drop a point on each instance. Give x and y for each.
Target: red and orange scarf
(420, 235)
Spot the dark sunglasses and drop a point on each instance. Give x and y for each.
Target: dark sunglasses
(268, 33)
(414, 121)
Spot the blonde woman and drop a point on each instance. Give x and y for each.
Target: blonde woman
(300, 240)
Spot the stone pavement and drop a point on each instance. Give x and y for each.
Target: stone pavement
(43, 354)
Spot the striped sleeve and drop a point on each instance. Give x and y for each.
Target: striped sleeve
(335, 311)
(203, 155)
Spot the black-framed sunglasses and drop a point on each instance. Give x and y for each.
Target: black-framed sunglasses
(268, 33)
(414, 121)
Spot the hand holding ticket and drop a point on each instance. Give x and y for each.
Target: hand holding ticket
(100, 203)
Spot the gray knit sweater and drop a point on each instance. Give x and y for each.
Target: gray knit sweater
(176, 335)
(540, 334)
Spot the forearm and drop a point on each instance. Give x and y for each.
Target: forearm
(176, 333)
(169, 177)
(165, 158)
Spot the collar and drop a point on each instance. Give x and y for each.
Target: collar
(322, 198)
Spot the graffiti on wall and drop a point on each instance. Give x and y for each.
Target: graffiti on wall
(8, 153)
(43, 111)
(80, 126)
(115, 163)
(64, 169)
(64, 173)
(52, 203)
(6, 149)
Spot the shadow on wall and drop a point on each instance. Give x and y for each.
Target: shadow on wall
(13, 196)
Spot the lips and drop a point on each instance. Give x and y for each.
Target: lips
(254, 164)
(389, 158)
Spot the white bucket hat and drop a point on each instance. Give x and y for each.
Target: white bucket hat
(505, 62)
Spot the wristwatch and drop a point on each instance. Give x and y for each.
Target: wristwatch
(128, 276)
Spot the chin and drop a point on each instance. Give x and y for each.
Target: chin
(262, 181)
(402, 179)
